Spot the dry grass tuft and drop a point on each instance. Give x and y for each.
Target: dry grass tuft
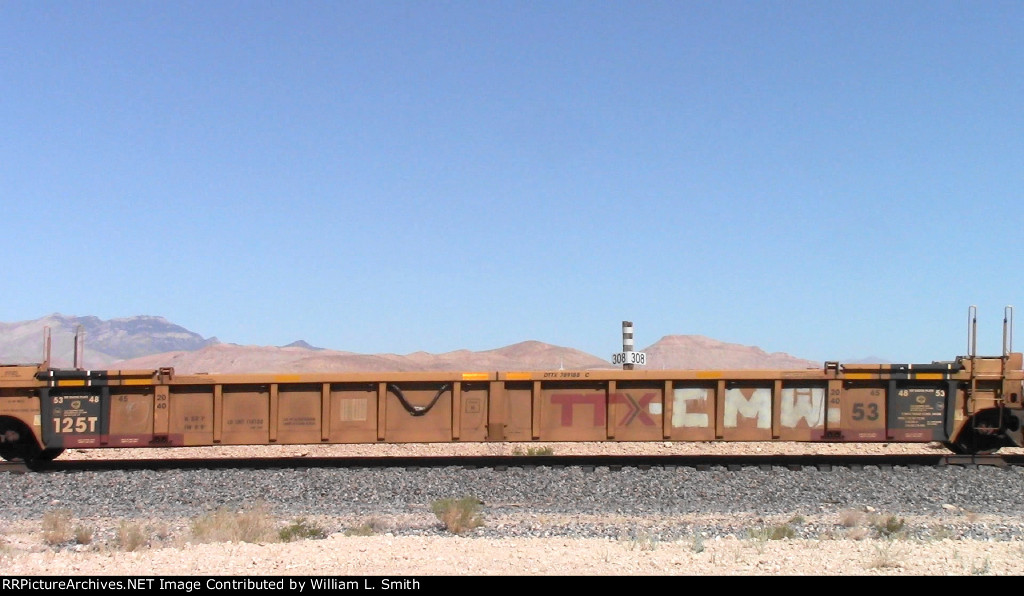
(131, 536)
(458, 515)
(301, 529)
(534, 451)
(57, 527)
(886, 556)
(223, 525)
(83, 534)
(368, 528)
(851, 518)
(889, 526)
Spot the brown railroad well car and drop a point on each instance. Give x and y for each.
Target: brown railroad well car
(971, 404)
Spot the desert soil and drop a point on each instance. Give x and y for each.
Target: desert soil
(24, 552)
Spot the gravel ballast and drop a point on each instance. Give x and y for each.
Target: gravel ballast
(542, 520)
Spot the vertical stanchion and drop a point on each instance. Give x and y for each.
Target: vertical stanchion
(627, 342)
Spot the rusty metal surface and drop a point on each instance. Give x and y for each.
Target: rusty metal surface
(837, 403)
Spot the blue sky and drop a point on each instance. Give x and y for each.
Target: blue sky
(830, 179)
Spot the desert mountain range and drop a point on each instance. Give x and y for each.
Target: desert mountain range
(146, 342)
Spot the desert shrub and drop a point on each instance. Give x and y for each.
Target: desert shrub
(534, 451)
(782, 532)
(698, 543)
(130, 536)
(886, 557)
(458, 515)
(857, 533)
(984, 569)
(851, 518)
(57, 526)
(224, 525)
(779, 532)
(643, 542)
(83, 534)
(301, 529)
(889, 526)
(368, 528)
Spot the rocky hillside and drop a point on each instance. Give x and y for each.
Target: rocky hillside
(151, 342)
(223, 358)
(105, 341)
(697, 351)
(674, 351)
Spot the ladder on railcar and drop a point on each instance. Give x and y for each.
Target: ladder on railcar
(975, 401)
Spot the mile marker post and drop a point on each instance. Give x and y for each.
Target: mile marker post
(627, 343)
(627, 357)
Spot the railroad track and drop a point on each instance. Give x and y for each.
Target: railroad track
(585, 462)
(13, 467)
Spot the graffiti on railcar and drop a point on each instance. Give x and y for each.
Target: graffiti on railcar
(750, 403)
(568, 402)
(641, 407)
(802, 403)
(690, 407)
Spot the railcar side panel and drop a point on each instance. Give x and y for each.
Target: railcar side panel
(691, 411)
(244, 415)
(296, 418)
(21, 405)
(417, 412)
(353, 413)
(972, 404)
(131, 417)
(469, 416)
(573, 411)
(919, 412)
(862, 412)
(521, 416)
(745, 412)
(636, 410)
(800, 412)
(190, 418)
(74, 416)
(554, 410)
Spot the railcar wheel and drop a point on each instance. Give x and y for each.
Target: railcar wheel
(23, 446)
(11, 433)
(972, 447)
(981, 435)
(50, 453)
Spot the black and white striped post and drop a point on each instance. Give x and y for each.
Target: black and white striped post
(627, 343)
(627, 357)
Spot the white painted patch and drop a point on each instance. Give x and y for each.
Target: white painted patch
(807, 403)
(834, 415)
(680, 417)
(759, 406)
(654, 408)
